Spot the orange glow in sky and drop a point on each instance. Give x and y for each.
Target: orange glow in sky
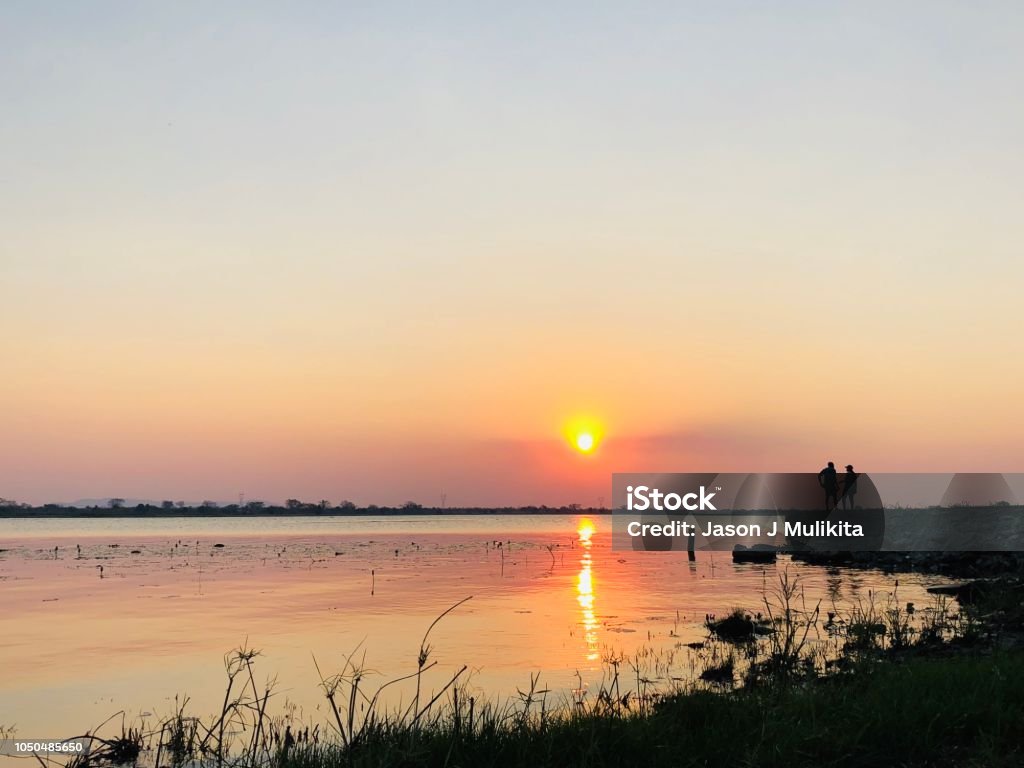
(439, 280)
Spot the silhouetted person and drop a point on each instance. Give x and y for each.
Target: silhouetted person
(828, 478)
(849, 486)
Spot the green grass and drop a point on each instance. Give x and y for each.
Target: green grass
(950, 711)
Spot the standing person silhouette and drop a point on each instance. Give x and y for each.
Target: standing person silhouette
(849, 486)
(828, 479)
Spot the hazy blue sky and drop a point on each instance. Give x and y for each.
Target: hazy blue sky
(370, 251)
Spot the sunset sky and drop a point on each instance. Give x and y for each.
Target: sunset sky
(382, 252)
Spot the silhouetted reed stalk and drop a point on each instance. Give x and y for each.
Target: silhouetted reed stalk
(791, 626)
(351, 676)
(346, 685)
(425, 649)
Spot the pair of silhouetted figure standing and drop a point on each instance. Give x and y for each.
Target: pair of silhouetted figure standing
(828, 478)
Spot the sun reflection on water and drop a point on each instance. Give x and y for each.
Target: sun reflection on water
(585, 588)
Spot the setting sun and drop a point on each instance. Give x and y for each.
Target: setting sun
(583, 433)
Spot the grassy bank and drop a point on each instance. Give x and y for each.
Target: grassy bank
(955, 710)
(885, 684)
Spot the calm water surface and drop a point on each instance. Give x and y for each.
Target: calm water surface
(128, 614)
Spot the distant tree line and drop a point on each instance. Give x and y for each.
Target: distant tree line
(117, 507)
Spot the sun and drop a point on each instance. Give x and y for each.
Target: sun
(585, 442)
(583, 435)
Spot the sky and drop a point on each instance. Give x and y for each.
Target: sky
(389, 251)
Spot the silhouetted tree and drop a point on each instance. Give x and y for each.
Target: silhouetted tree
(116, 503)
